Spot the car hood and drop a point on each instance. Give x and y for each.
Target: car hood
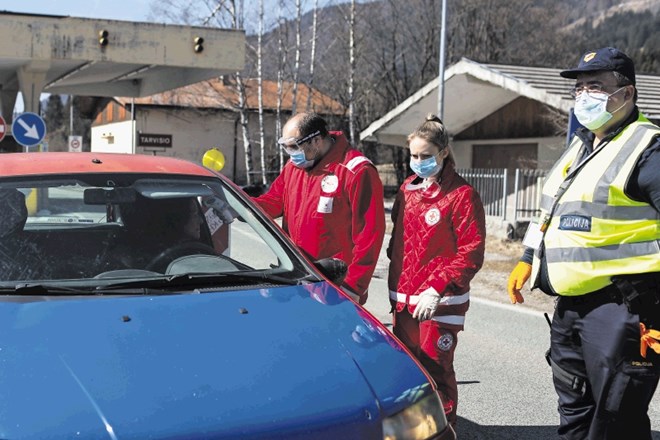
(288, 361)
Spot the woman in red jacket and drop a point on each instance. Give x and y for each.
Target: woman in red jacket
(437, 246)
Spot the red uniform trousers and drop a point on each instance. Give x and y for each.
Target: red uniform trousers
(433, 343)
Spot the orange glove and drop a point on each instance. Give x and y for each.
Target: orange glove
(648, 338)
(519, 276)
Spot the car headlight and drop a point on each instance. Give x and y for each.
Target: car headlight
(421, 420)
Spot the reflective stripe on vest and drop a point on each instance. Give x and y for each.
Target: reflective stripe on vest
(596, 230)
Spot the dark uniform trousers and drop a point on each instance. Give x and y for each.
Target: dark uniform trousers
(597, 338)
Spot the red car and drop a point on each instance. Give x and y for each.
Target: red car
(147, 297)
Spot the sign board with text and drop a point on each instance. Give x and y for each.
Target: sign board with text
(154, 140)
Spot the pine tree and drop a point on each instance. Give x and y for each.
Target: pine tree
(54, 113)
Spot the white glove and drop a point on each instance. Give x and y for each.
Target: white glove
(428, 302)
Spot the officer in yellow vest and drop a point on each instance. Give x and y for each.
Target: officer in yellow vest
(596, 246)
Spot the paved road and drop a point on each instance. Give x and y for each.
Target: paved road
(505, 385)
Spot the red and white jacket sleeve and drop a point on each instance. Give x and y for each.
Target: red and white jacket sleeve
(368, 227)
(273, 200)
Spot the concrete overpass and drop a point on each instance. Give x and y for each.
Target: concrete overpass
(92, 57)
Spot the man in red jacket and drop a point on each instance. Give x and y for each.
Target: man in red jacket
(331, 199)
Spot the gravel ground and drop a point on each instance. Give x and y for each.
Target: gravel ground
(491, 281)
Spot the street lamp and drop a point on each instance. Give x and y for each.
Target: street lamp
(441, 69)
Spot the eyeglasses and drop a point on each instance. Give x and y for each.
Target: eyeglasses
(592, 88)
(292, 143)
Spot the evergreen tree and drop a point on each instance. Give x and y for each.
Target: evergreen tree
(54, 113)
(54, 117)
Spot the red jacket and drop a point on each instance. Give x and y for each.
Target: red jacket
(438, 241)
(334, 209)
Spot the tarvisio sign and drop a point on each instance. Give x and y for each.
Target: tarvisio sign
(154, 140)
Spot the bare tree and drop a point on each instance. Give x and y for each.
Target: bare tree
(351, 73)
(262, 135)
(296, 66)
(281, 61)
(236, 12)
(312, 56)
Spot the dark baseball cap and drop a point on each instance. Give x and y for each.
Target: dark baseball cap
(605, 59)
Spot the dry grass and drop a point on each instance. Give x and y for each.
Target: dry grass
(491, 281)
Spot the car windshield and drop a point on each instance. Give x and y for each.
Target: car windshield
(92, 231)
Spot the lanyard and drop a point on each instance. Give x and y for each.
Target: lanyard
(568, 180)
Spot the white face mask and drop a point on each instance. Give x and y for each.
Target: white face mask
(591, 109)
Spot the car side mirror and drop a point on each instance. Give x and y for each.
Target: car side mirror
(333, 268)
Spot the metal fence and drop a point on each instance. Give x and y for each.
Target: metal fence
(491, 184)
(512, 196)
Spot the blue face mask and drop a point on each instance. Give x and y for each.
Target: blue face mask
(426, 168)
(298, 158)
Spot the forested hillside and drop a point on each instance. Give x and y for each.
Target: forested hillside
(397, 43)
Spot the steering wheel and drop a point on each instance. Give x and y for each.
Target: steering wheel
(159, 262)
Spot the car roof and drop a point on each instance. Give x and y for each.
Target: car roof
(23, 164)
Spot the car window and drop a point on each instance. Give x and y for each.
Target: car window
(93, 227)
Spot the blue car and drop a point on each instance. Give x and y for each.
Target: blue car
(145, 297)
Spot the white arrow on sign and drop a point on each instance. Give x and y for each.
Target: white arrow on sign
(30, 132)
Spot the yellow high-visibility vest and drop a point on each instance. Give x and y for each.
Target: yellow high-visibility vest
(596, 230)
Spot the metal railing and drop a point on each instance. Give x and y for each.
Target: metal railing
(513, 198)
(491, 184)
(527, 191)
(512, 195)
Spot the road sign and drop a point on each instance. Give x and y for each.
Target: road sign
(3, 128)
(154, 140)
(75, 144)
(28, 129)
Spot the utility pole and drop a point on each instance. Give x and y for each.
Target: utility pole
(441, 67)
(70, 115)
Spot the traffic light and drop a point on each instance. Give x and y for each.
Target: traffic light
(103, 38)
(199, 44)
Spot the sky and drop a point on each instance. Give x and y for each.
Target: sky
(130, 10)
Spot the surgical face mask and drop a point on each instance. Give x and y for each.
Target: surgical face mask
(298, 158)
(426, 168)
(591, 109)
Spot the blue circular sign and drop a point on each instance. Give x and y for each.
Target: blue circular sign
(28, 129)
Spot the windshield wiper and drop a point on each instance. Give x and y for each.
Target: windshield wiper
(41, 289)
(201, 280)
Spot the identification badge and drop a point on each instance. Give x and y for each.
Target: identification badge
(533, 236)
(213, 221)
(325, 205)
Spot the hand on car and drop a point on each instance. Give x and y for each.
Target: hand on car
(519, 276)
(428, 303)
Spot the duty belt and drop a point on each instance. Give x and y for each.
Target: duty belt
(605, 295)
